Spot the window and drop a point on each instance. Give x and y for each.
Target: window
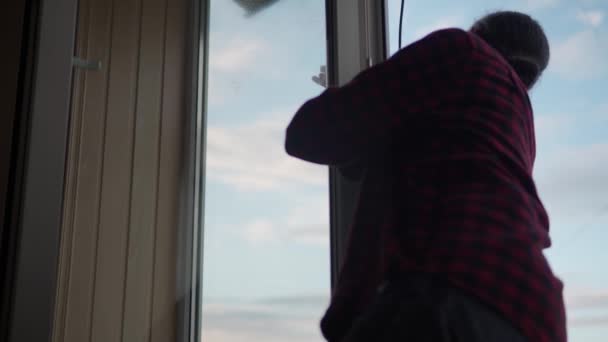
(266, 226)
(571, 114)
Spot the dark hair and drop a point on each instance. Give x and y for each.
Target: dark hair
(520, 39)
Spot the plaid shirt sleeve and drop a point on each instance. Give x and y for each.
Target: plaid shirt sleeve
(343, 124)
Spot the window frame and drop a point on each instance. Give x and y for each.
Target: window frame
(361, 31)
(44, 175)
(190, 260)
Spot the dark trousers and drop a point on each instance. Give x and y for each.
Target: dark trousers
(419, 308)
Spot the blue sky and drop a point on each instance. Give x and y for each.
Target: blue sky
(266, 270)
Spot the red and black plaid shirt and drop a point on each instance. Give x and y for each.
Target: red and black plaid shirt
(447, 128)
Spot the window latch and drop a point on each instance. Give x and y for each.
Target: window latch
(86, 64)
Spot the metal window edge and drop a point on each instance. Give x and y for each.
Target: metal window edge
(369, 20)
(189, 268)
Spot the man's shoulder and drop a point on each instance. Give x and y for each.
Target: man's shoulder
(452, 37)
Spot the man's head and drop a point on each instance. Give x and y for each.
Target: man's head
(520, 39)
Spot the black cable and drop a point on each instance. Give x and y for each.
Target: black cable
(401, 22)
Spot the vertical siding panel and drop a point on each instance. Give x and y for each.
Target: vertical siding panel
(171, 158)
(118, 258)
(87, 144)
(72, 171)
(112, 241)
(145, 175)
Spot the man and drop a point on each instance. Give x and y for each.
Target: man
(447, 239)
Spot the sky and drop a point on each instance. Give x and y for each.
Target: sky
(266, 253)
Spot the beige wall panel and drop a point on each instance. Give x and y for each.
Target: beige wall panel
(117, 174)
(117, 272)
(174, 114)
(84, 179)
(142, 228)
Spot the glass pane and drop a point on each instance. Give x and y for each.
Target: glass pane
(571, 114)
(266, 254)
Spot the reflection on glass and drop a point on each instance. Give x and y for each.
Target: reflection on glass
(266, 253)
(572, 144)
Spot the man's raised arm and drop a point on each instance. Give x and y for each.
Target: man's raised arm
(344, 124)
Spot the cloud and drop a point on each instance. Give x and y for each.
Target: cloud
(586, 298)
(586, 305)
(551, 127)
(441, 23)
(581, 56)
(237, 54)
(263, 232)
(300, 300)
(251, 157)
(597, 321)
(230, 58)
(571, 176)
(274, 319)
(313, 234)
(572, 181)
(260, 231)
(592, 18)
(532, 5)
(307, 223)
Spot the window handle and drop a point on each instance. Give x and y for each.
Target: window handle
(86, 64)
